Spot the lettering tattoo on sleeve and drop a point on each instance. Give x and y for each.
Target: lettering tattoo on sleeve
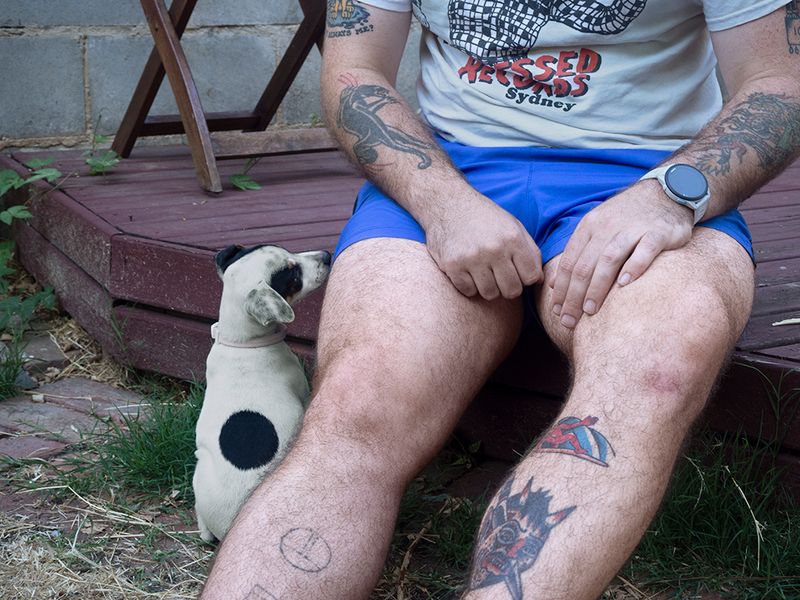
(793, 26)
(578, 437)
(358, 116)
(346, 18)
(512, 536)
(767, 124)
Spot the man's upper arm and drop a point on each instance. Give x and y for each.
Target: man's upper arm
(364, 36)
(759, 49)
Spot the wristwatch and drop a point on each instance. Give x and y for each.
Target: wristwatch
(686, 185)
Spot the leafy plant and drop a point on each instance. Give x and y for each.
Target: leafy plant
(242, 181)
(101, 163)
(16, 311)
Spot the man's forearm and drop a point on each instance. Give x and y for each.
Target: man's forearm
(755, 136)
(382, 135)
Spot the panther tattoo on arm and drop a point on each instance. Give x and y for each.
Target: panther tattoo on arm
(358, 116)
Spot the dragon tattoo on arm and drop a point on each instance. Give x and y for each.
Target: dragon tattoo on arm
(766, 124)
(358, 115)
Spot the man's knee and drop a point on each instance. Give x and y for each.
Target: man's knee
(364, 398)
(667, 347)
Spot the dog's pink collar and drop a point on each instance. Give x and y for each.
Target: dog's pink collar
(259, 342)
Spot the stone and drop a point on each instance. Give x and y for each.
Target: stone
(82, 13)
(46, 419)
(42, 353)
(91, 397)
(230, 69)
(46, 13)
(24, 381)
(36, 69)
(29, 446)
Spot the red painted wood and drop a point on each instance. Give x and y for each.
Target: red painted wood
(183, 280)
(777, 299)
(760, 333)
(173, 345)
(77, 292)
(76, 231)
(165, 343)
(792, 351)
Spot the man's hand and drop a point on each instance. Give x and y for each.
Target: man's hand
(484, 249)
(617, 240)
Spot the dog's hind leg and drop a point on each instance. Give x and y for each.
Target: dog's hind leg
(205, 533)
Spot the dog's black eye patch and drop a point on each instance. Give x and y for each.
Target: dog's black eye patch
(288, 281)
(248, 440)
(226, 257)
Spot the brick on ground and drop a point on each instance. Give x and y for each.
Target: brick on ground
(64, 410)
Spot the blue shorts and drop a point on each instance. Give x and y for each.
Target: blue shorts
(549, 190)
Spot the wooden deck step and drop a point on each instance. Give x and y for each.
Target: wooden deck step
(130, 255)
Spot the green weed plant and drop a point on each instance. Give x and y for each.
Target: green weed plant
(728, 526)
(16, 311)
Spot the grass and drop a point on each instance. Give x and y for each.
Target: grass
(727, 526)
(149, 453)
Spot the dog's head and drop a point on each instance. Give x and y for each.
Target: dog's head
(269, 279)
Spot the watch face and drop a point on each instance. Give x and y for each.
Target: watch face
(686, 182)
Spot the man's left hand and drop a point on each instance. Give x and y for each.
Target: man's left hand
(617, 240)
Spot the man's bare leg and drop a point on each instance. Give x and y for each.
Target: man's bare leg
(401, 353)
(574, 509)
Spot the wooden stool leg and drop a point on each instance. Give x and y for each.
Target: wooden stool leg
(149, 83)
(180, 79)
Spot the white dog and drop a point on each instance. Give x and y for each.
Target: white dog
(256, 389)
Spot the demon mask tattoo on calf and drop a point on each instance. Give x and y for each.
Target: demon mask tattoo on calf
(512, 537)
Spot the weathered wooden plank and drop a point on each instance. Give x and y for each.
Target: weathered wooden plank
(265, 205)
(164, 343)
(781, 249)
(772, 299)
(769, 199)
(172, 345)
(755, 395)
(314, 139)
(760, 332)
(777, 272)
(217, 121)
(166, 230)
(791, 351)
(183, 280)
(264, 235)
(155, 273)
(64, 222)
(78, 293)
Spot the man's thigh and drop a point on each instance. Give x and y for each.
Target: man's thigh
(397, 341)
(705, 288)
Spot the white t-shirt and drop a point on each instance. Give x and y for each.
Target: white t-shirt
(572, 73)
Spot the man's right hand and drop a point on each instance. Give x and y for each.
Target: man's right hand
(484, 249)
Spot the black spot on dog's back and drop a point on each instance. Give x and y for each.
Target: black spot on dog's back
(248, 440)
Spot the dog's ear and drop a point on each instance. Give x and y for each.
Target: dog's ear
(266, 305)
(225, 257)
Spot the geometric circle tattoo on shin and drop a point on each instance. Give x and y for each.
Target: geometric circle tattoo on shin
(304, 549)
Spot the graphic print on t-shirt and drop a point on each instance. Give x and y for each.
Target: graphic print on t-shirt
(494, 30)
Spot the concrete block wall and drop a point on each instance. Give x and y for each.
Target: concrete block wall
(67, 64)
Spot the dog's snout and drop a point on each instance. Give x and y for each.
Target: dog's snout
(326, 258)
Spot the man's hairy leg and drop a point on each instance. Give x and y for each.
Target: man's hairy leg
(576, 506)
(401, 353)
